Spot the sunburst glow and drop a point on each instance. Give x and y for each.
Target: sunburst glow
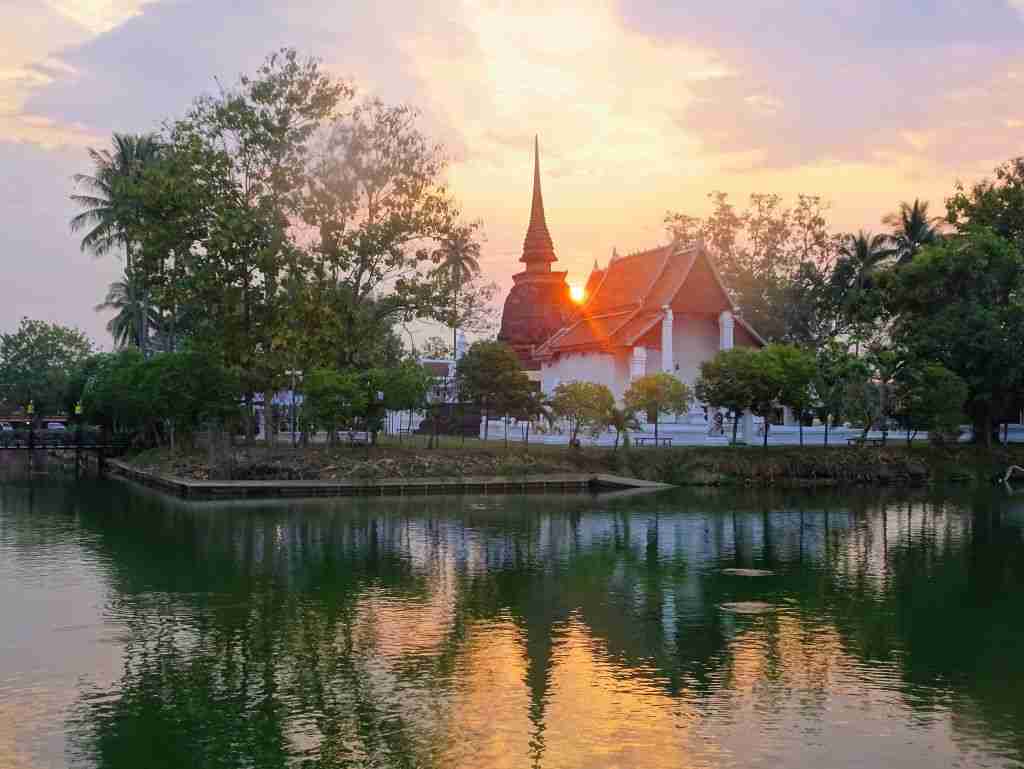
(577, 294)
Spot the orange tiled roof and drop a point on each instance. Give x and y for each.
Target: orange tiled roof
(628, 296)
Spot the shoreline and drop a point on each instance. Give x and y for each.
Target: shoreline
(568, 482)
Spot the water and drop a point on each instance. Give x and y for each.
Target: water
(139, 631)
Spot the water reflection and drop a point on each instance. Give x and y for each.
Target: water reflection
(475, 631)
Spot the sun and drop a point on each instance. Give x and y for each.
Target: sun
(577, 294)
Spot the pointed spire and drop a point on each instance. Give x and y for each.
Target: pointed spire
(538, 249)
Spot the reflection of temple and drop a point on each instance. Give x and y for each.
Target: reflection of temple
(564, 631)
(538, 304)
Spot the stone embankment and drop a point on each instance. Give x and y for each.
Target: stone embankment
(486, 467)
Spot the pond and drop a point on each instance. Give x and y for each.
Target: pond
(681, 629)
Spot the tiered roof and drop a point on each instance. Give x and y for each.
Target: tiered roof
(627, 298)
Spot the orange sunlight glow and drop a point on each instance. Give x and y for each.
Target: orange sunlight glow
(577, 294)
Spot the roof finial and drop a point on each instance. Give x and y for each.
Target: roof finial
(537, 247)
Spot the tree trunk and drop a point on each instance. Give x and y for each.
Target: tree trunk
(765, 444)
(828, 418)
(800, 421)
(735, 425)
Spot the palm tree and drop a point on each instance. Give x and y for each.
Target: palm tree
(912, 228)
(106, 215)
(861, 255)
(457, 261)
(126, 298)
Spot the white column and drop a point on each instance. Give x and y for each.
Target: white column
(638, 363)
(726, 322)
(667, 362)
(460, 344)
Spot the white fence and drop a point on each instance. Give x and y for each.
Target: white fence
(681, 434)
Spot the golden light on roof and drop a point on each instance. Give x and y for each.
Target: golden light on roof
(577, 294)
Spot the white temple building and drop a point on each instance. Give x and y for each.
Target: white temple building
(662, 310)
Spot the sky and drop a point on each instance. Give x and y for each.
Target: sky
(641, 107)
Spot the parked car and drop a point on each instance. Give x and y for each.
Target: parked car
(6, 427)
(56, 426)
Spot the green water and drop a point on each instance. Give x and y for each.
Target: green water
(139, 631)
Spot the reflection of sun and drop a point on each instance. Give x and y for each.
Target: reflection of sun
(577, 294)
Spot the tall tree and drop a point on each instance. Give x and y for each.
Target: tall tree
(126, 298)
(110, 217)
(458, 260)
(912, 228)
(854, 280)
(996, 203)
(375, 197)
(959, 303)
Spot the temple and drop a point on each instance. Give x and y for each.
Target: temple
(538, 304)
(665, 309)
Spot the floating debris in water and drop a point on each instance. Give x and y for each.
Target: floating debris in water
(748, 572)
(748, 607)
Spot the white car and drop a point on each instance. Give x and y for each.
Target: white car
(6, 427)
(55, 426)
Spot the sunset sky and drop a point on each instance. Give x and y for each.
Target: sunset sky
(640, 106)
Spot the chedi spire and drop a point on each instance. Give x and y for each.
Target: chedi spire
(538, 250)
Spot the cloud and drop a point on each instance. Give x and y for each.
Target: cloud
(640, 106)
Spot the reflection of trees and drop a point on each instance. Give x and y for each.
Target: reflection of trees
(335, 633)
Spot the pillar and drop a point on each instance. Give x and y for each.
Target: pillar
(638, 363)
(667, 361)
(726, 323)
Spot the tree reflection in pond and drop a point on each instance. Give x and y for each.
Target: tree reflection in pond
(547, 631)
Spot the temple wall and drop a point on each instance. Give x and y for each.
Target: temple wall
(610, 369)
(694, 340)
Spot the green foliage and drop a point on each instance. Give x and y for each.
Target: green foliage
(36, 364)
(997, 204)
(490, 375)
(796, 368)
(585, 405)
(622, 421)
(930, 397)
(960, 305)
(168, 396)
(656, 394)
(836, 372)
(334, 398)
(723, 382)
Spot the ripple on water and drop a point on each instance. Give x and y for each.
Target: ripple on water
(748, 607)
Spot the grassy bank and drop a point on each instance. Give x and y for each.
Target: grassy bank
(698, 466)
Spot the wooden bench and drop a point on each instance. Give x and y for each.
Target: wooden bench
(666, 442)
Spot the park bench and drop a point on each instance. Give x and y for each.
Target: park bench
(666, 442)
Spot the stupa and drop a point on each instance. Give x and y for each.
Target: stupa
(538, 304)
